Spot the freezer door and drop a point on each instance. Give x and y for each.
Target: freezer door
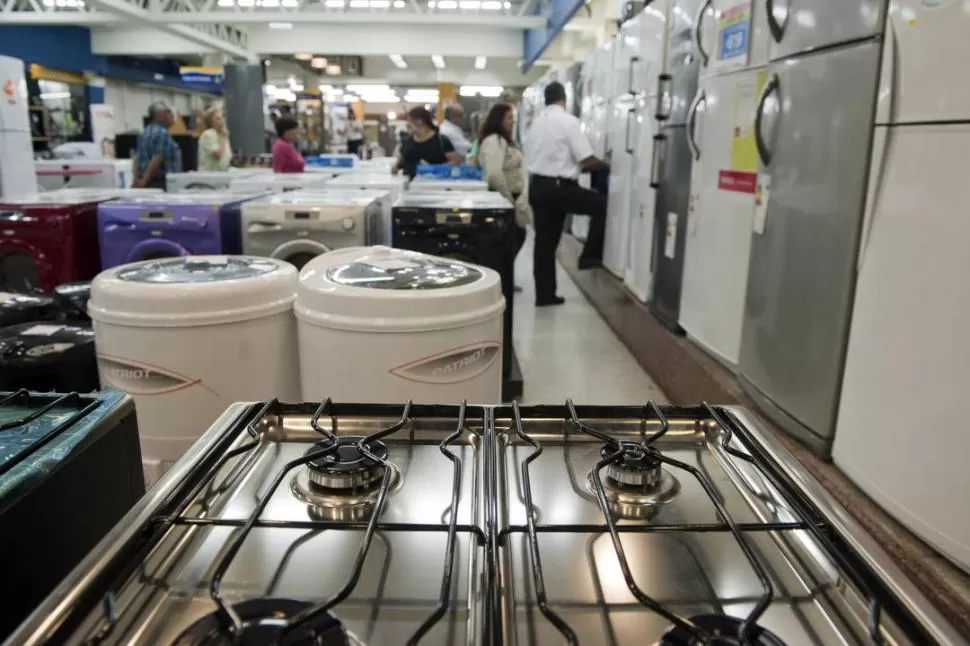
(616, 245)
(915, 247)
(799, 26)
(670, 224)
(802, 269)
(733, 34)
(682, 63)
(639, 272)
(720, 212)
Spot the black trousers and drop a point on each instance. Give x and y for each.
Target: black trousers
(551, 200)
(353, 147)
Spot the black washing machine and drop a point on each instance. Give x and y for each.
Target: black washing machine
(48, 356)
(22, 308)
(472, 226)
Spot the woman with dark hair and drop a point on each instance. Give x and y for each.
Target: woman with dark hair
(425, 146)
(501, 164)
(285, 157)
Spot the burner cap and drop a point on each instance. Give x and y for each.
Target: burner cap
(637, 466)
(724, 630)
(263, 621)
(346, 467)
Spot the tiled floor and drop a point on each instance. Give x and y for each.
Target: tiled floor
(569, 351)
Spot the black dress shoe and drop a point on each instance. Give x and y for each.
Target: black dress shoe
(589, 263)
(555, 300)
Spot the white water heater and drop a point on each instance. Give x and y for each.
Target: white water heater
(16, 150)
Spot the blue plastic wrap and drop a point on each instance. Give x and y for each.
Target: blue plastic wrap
(331, 161)
(448, 171)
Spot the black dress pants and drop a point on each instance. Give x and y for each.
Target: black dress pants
(551, 200)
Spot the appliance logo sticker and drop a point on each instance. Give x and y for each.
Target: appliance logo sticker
(454, 366)
(734, 35)
(145, 379)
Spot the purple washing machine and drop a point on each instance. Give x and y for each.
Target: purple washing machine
(167, 225)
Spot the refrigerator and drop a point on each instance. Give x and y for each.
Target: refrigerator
(650, 26)
(813, 133)
(671, 159)
(731, 41)
(16, 146)
(901, 433)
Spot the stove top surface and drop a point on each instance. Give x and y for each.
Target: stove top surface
(443, 525)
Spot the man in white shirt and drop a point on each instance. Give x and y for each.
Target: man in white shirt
(451, 128)
(556, 152)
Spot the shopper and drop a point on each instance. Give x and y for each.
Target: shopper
(215, 152)
(501, 164)
(424, 146)
(355, 134)
(556, 151)
(453, 128)
(286, 159)
(157, 153)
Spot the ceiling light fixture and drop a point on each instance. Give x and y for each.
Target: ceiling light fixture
(272, 4)
(333, 70)
(391, 116)
(430, 4)
(480, 62)
(221, 3)
(318, 63)
(399, 4)
(281, 25)
(492, 5)
(398, 60)
(507, 5)
(290, 4)
(470, 5)
(359, 4)
(438, 61)
(303, 57)
(246, 3)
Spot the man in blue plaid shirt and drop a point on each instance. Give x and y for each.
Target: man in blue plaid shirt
(158, 154)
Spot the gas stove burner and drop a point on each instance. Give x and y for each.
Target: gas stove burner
(635, 485)
(344, 485)
(346, 468)
(724, 630)
(637, 466)
(263, 621)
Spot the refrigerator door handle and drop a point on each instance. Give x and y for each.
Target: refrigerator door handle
(763, 152)
(663, 80)
(692, 123)
(626, 135)
(656, 159)
(776, 28)
(633, 61)
(698, 19)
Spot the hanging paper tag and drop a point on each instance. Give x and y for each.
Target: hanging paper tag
(761, 194)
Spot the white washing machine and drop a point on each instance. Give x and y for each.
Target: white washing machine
(278, 182)
(53, 174)
(218, 180)
(400, 325)
(187, 337)
(300, 225)
(393, 185)
(437, 185)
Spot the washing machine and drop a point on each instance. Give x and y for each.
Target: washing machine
(300, 225)
(46, 357)
(437, 184)
(471, 226)
(279, 182)
(394, 186)
(49, 238)
(170, 224)
(53, 174)
(199, 180)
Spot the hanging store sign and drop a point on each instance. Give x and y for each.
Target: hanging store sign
(733, 36)
(201, 74)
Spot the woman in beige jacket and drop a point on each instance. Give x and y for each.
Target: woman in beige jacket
(501, 164)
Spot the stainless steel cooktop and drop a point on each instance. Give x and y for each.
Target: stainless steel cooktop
(443, 525)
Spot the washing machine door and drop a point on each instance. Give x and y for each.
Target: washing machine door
(299, 252)
(154, 249)
(24, 267)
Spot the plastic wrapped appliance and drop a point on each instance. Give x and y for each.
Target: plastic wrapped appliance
(53, 174)
(23, 308)
(475, 227)
(71, 302)
(300, 225)
(48, 357)
(169, 225)
(205, 180)
(400, 325)
(437, 184)
(186, 337)
(279, 182)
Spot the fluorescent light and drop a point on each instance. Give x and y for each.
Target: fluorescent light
(398, 60)
(399, 4)
(438, 61)
(221, 3)
(269, 3)
(333, 70)
(469, 5)
(318, 63)
(359, 4)
(507, 5)
(430, 4)
(491, 5)
(447, 4)
(391, 116)
(246, 3)
(302, 57)
(380, 4)
(335, 4)
(480, 62)
(281, 25)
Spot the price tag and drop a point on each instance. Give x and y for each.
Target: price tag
(670, 241)
(734, 35)
(761, 194)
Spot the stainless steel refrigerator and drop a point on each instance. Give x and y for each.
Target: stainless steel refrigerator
(813, 131)
(672, 160)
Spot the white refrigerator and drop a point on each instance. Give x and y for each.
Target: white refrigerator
(901, 431)
(16, 147)
(731, 42)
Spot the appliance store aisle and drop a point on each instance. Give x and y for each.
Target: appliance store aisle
(570, 351)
